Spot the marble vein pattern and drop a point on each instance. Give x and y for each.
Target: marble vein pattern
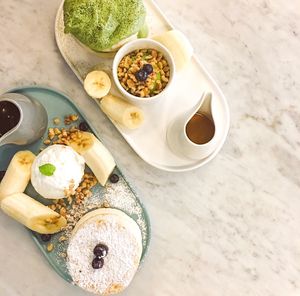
(230, 228)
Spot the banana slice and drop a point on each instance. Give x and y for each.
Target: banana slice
(96, 156)
(17, 175)
(97, 84)
(32, 214)
(179, 46)
(122, 112)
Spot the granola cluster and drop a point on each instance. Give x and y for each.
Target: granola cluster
(148, 83)
(82, 192)
(62, 136)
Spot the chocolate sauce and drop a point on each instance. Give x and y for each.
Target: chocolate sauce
(9, 116)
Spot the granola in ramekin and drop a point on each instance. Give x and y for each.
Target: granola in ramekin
(144, 73)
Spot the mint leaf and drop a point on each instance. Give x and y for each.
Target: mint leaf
(47, 169)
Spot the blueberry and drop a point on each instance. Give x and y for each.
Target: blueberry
(45, 237)
(141, 75)
(100, 250)
(83, 126)
(114, 178)
(148, 68)
(2, 173)
(97, 263)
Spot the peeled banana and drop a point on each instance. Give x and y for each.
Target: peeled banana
(97, 84)
(32, 214)
(17, 175)
(122, 112)
(96, 156)
(179, 46)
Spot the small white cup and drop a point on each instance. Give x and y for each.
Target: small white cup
(178, 139)
(32, 123)
(142, 44)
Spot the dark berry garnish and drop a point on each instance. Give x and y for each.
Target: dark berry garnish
(2, 173)
(114, 178)
(100, 250)
(83, 126)
(97, 263)
(45, 237)
(141, 75)
(148, 68)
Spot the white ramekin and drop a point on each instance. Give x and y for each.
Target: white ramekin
(144, 43)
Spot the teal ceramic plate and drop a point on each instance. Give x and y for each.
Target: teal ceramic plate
(119, 195)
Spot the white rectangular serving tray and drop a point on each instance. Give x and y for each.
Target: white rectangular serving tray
(149, 141)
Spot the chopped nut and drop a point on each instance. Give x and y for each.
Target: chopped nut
(57, 131)
(165, 79)
(154, 54)
(50, 247)
(63, 212)
(130, 83)
(105, 204)
(51, 133)
(62, 238)
(67, 121)
(74, 117)
(56, 121)
(47, 142)
(62, 255)
(70, 118)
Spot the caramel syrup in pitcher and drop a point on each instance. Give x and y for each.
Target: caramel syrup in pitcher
(200, 129)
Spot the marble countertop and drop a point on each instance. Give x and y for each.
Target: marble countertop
(230, 228)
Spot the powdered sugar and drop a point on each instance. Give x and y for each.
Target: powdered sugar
(120, 196)
(122, 259)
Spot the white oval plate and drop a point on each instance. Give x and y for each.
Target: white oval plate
(149, 141)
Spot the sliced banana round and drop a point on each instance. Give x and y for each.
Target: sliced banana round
(33, 214)
(122, 112)
(18, 174)
(97, 84)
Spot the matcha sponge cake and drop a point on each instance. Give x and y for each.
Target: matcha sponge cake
(104, 25)
(104, 251)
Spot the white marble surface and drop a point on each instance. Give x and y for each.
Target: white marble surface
(230, 228)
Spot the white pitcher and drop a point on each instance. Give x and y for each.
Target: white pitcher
(32, 122)
(177, 137)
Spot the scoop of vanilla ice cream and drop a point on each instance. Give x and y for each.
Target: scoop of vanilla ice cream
(69, 170)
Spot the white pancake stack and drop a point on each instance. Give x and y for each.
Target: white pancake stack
(121, 235)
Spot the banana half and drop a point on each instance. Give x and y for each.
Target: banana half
(122, 112)
(179, 46)
(17, 175)
(32, 214)
(96, 156)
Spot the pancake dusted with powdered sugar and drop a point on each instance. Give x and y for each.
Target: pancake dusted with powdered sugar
(119, 237)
